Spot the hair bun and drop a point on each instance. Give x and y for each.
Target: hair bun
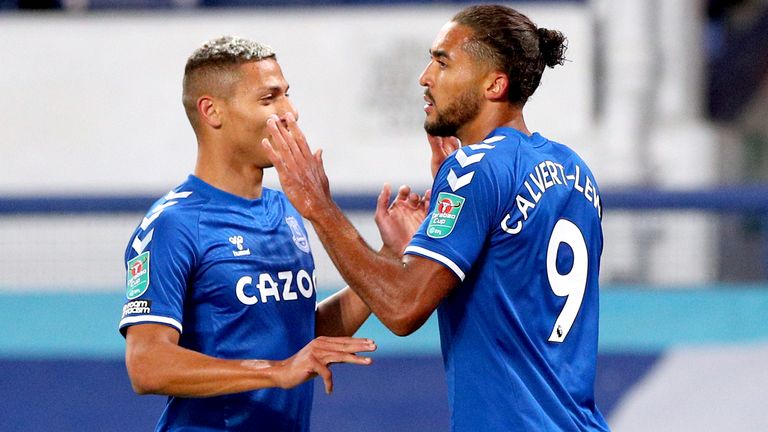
(552, 45)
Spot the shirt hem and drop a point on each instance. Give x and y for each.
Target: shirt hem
(150, 319)
(418, 250)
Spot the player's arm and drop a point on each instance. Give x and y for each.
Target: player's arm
(344, 312)
(341, 314)
(158, 365)
(402, 292)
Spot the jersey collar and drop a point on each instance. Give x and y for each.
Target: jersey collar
(535, 139)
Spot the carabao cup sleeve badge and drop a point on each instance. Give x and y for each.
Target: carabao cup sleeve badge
(446, 214)
(137, 276)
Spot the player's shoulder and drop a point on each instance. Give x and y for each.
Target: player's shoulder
(564, 150)
(178, 208)
(470, 157)
(566, 155)
(497, 148)
(173, 218)
(485, 159)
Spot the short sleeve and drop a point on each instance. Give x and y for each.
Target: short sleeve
(460, 217)
(159, 260)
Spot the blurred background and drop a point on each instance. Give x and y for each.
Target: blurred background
(666, 100)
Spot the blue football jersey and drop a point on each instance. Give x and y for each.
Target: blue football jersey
(236, 278)
(517, 219)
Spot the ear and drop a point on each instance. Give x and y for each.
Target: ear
(208, 109)
(496, 87)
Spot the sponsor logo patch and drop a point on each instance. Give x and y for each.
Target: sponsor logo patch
(137, 276)
(299, 239)
(238, 242)
(445, 215)
(137, 307)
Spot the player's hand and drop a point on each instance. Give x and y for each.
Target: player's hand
(441, 147)
(316, 357)
(398, 221)
(301, 172)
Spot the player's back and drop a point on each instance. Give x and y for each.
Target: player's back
(519, 335)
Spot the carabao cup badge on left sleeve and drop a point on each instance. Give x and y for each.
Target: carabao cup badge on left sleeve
(445, 215)
(137, 276)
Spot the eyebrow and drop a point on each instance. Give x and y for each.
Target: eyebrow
(274, 88)
(439, 53)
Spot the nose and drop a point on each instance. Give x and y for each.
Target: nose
(425, 78)
(288, 108)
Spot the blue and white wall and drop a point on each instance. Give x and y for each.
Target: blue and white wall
(669, 361)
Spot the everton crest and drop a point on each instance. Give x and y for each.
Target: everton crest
(298, 236)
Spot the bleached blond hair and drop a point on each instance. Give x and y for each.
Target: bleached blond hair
(213, 69)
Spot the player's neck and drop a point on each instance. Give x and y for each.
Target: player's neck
(232, 176)
(490, 118)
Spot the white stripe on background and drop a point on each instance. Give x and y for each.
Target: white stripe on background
(711, 388)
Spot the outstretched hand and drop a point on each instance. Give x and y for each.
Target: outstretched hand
(397, 222)
(301, 173)
(316, 357)
(441, 147)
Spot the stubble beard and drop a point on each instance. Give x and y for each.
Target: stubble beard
(458, 113)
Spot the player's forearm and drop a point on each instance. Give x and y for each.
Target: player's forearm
(341, 314)
(380, 280)
(175, 371)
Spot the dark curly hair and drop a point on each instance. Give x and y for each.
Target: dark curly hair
(514, 45)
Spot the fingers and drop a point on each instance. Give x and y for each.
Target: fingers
(280, 138)
(443, 145)
(346, 344)
(273, 156)
(383, 200)
(424, 203)
(413, 199)
(326, 375)
(440, 151)
(315, 358)
(450, 144)
(403, 192)
(402, 195)
(287, 138)
(336, 357)
(274, 125)
(435, 142)
(339, 350)
(297, 134)
(427, 195)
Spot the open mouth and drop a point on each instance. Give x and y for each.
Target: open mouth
(429, 106)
